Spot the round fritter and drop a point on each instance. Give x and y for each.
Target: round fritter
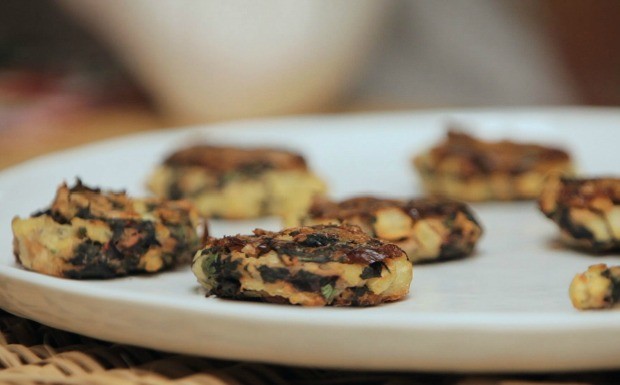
(89, 233)
(235, 183)
(597, 288)
(310, 266)
(426, 229)
(463, 167)
(586, 210)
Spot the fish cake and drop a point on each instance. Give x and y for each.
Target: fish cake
(237, 183)
(465, 168)
(90, 233)
(309, 266)
(596, 288)
(427, 230)
(586, 210)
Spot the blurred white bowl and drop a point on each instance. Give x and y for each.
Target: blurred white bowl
(208, 60)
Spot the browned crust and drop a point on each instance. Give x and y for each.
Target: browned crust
(582, 193)
(477, 157)
(222, 159)
(455, 231)
(365, 206)
(319, 243)
(86, 202)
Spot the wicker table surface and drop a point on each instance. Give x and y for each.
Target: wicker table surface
(33, 353)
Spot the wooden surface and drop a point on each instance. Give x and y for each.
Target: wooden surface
(30, 137)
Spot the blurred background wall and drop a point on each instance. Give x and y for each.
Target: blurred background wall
(211, 60)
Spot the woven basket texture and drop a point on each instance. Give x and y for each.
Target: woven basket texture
(32, 353)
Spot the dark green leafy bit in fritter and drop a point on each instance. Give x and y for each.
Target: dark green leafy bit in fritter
(90, 233)
(426, 229)
(310, 266)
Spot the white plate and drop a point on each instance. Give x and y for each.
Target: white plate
(504, 309)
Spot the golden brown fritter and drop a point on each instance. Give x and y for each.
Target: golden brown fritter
(597, 288)
(465, 168)
(89, 233)
(426, 229)
(235, 183)
(586, 210)
(310, 266)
